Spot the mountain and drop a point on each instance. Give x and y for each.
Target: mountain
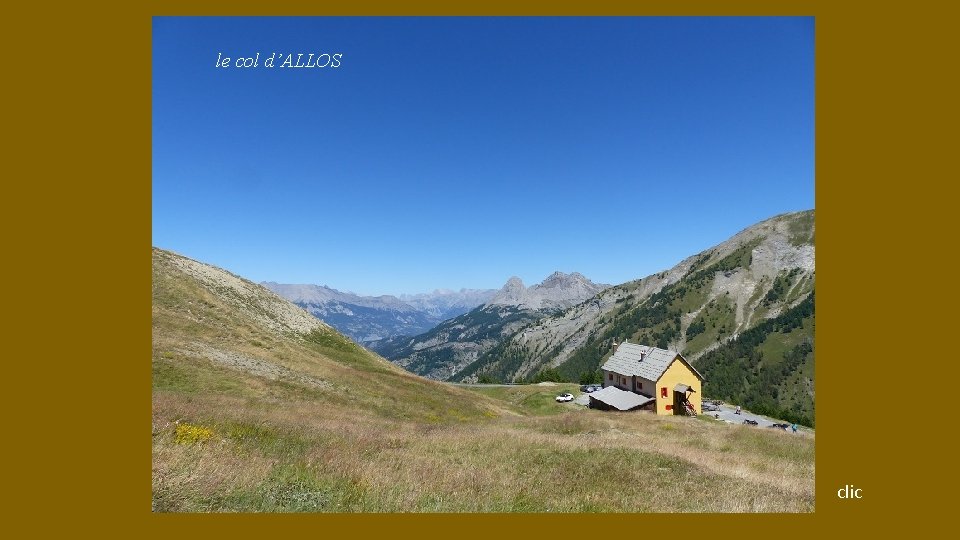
(558, 291)
(769, 368)
(443, 304)
(219, 334)
(702, 304)
(259, 379)
(371, 318)
(443, 351)
(257, 406)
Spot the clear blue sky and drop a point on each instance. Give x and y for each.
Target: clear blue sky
(457, 152)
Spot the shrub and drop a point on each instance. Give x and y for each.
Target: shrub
(189, 434)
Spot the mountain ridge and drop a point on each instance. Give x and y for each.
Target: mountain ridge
(700, 305)
(371, 318)
(443, 350)
(557, 290)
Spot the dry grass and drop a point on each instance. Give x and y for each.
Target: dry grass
(573, 462)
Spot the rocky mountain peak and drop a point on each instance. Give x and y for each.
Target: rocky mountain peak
(558, 290)
(513, 283)
(559, 279)
(512, 293)
(556, 279)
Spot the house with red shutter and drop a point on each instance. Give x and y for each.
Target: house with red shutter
(641, 377)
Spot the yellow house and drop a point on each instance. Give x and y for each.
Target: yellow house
(661, 380)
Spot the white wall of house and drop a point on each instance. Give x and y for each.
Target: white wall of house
(622, 382)
(631, 384)
(645, 386)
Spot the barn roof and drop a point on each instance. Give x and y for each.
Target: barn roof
(643, 361)
(620, 399)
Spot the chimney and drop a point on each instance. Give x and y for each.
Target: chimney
(615, 345)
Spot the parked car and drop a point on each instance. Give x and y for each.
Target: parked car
(751, 422)
(563, 398)
(781, 426)
(709, 406)
(586, 387)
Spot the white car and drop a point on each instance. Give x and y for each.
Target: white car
(563, 398)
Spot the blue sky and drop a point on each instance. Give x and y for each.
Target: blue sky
(457, 152)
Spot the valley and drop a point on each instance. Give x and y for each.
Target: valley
(367, 319)
(446, 350)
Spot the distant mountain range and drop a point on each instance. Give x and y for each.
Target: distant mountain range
(370, 318)
(446, 349)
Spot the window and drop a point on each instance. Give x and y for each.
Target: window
(663, 391)
(609, 376)
(639, 385)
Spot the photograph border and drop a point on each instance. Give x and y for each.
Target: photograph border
(96, 185)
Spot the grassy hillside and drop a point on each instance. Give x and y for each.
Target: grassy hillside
(210, 338)
(259, 407)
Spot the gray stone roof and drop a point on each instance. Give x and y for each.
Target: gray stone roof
(641, 360)
(620, 399)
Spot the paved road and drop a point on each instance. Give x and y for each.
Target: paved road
(728, 413)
